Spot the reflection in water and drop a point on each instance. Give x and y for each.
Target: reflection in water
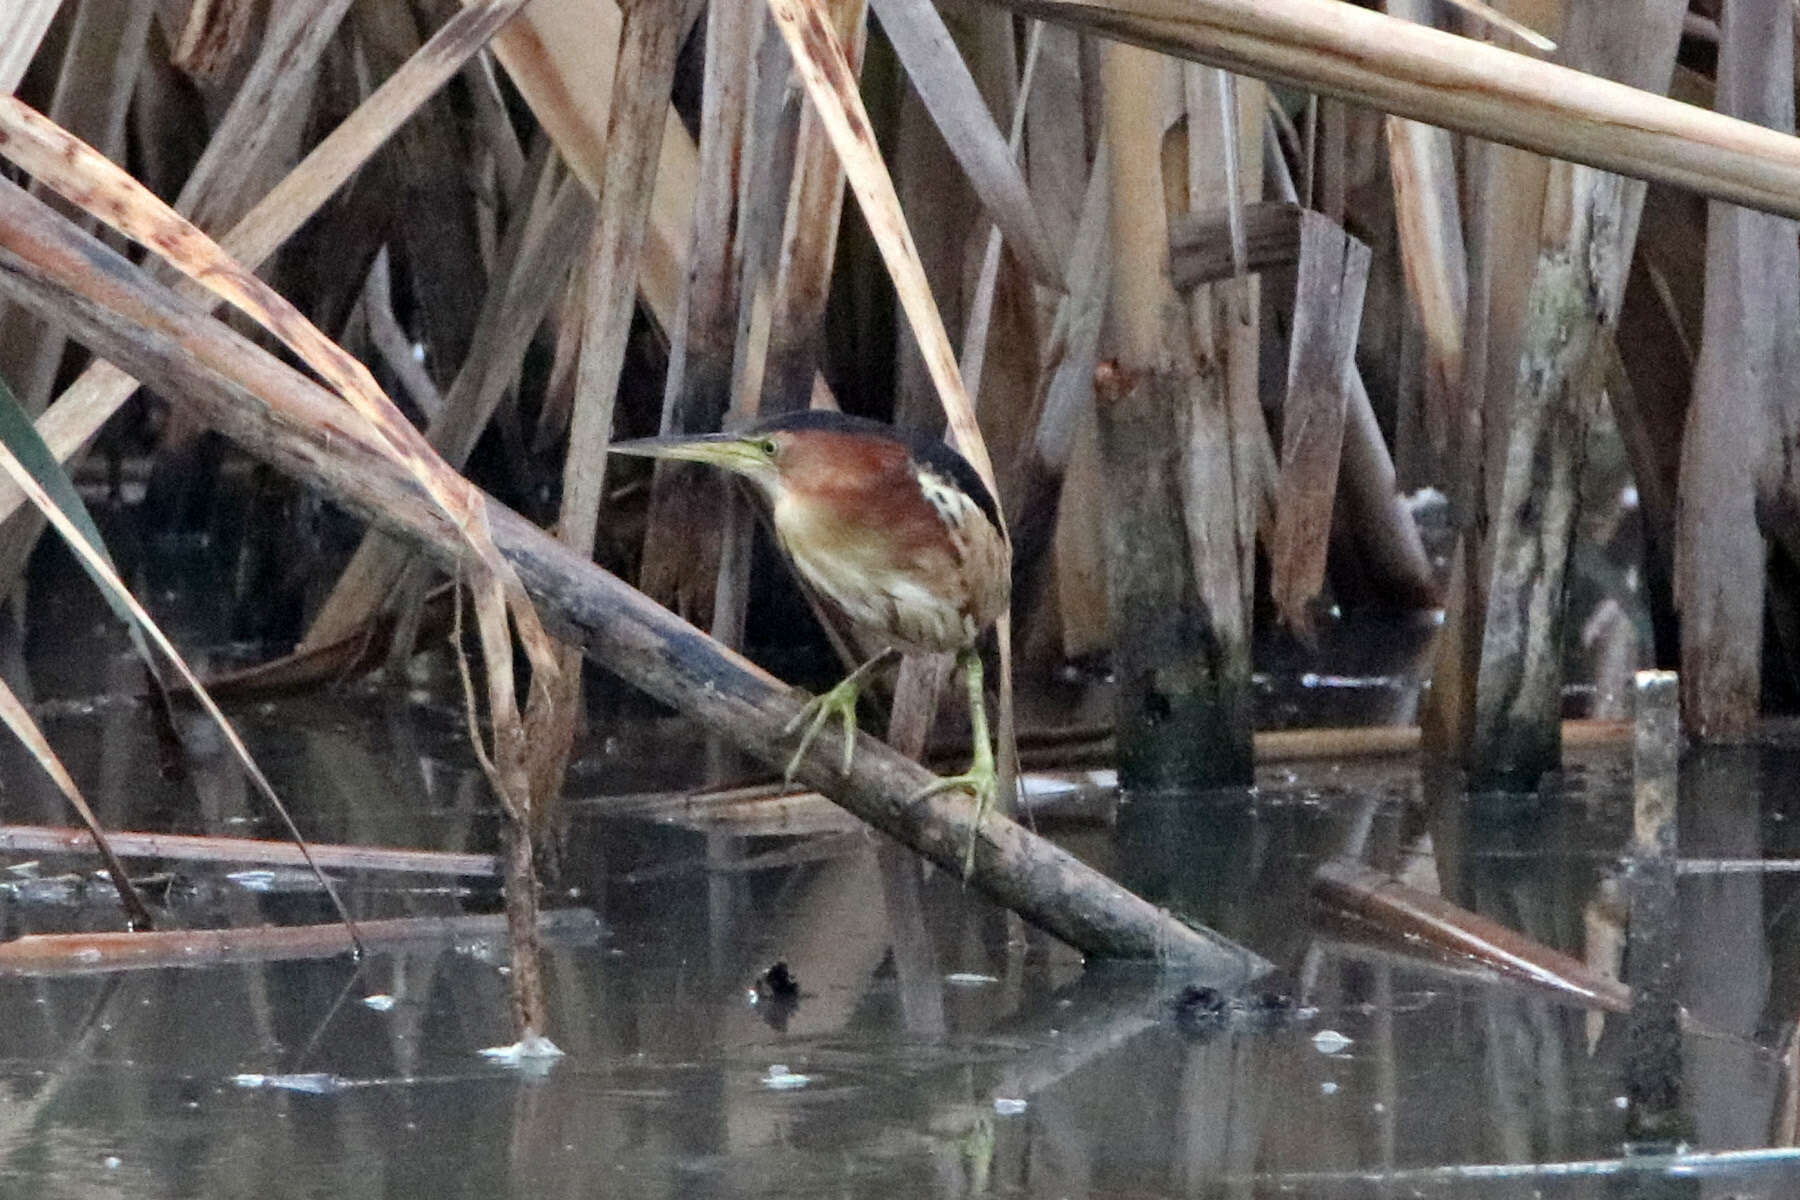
(934, 1047)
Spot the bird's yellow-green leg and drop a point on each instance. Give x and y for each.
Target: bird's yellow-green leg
(840, 700)
(982, 779)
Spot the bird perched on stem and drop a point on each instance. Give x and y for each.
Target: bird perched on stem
(896, 530)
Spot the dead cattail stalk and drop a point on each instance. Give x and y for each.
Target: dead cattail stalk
(923, 45)
(808, 244)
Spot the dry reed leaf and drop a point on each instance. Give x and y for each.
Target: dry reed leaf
(820, 60)
(25, 729)
(22, 27)
(920, 39)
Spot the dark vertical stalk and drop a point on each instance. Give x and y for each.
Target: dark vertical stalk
(1653, 1068)
(1181, 656)
(682, 533)
(1586, 235)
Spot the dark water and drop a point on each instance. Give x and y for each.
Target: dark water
(937, 1048)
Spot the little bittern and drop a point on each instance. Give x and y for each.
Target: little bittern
(896, 530)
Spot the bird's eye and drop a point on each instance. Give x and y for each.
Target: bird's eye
(767, 446)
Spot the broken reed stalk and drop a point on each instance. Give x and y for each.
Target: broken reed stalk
(1182, 655)
(22, 28)
(1067, 404)
(278, 415)
(540, 245)
(560, 57)
(440, 240)
(88, 953)
(1230, 439)
(1369, 500)
(103, 55)
(1328, 303)
(178, 847)
(1422, 165)
(1467, 86)
(1386, 905)
(1200, 242)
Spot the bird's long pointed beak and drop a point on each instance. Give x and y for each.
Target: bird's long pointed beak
(726, 450)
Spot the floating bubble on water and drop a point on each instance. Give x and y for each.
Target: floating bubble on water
(970, 979)
(313, 1083)
(1330, 1041)
(274, 880)
(380, 1002)
(780, 1079)
(532, 1048)
(1008, 1107)
(1328, 1088)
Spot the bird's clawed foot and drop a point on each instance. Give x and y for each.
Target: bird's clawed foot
(840, 700)
(982, 781)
